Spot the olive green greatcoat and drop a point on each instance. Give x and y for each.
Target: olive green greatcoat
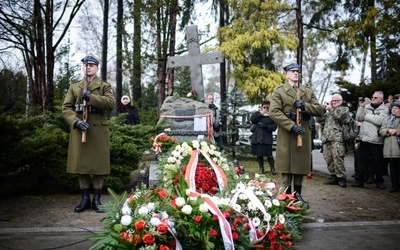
(289, 157)
(92, 157)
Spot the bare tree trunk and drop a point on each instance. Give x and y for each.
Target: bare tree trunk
(137, 56)
(371, 4)
(49, 95)
(172, 41)
(119, 51)
(104, 41)
(222, 67)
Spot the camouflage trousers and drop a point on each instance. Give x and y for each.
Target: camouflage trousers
(334, 153)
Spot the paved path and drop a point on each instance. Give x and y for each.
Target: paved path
(328, 236)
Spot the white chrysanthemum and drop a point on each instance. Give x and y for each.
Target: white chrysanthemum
(205, 150)
(256, 221)
(217, 153)
(276, 202)
(215, 159)
(176, 154)
(237, 207)
(171, 159)
(242, 196)
(155, 221)
(281, 219)
(268, 203)
(216, 200)
(126, 210)
(143, 211)
(126, 220)
(203, 143)
(213, 147)
(184, 144)
(247, 177)
(267, 217)
(259, 193)
(212, 152)
(150, 206)
(225, 201)
(251, 206)
(180, 201)
(181, 157)
(163, 214)
(256, 175)
(196, 144)
(187, 191)
(178, 162)
(187, 209)
(225, 167)
(269, 193)
(203, 208)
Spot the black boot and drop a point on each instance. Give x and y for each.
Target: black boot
(342, 182)
(297, 194)
(332, 181)
(289, 190)
(85, 203)
(260, 161)
(271, 163)
(96, 200)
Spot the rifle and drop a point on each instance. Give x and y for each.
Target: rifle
(298, 116)
(85, 110)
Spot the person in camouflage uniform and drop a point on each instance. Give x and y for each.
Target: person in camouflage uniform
(332, 138)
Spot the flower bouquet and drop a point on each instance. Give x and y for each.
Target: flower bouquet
(162, 142)
(202, 203)
(193, 95)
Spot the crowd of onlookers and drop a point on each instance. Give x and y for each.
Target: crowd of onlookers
(377, 146)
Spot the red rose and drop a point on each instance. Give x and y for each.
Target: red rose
(235, 236)
(124, 236)
(135, 240)
(162, 194)
(162, 229)
(227, 214)
(213, 232)
(237, 220)
(140, 225)
(205, 186)
(163, 247)
(197, 219)
(148, 239)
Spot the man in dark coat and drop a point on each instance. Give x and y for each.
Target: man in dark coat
(291, 160)
(93, 156)
(261, 139)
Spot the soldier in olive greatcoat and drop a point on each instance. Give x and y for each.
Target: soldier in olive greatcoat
(291, 160)
(90, 158)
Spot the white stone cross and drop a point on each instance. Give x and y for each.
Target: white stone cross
(194, 60)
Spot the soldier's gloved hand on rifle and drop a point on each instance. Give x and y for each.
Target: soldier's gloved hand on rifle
(299, 104)
(82, 125)
(298, 129)
(86, 95)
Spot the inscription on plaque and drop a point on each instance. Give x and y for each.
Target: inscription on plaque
(184, 112)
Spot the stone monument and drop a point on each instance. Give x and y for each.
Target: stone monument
(194, 60)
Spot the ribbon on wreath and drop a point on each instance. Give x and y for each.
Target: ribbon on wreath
(222, 181)
(191, 170)
(242, 188)
(156, 145)
(224, 225)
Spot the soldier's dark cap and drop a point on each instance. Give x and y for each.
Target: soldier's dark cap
(292, 66)
(396, 103)
(90, 60)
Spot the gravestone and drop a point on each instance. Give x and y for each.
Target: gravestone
(194, 60)
(186, 120)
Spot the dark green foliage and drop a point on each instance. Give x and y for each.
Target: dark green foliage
(233, 108)
(33, 153)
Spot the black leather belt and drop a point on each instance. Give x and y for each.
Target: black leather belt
(79, 109)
